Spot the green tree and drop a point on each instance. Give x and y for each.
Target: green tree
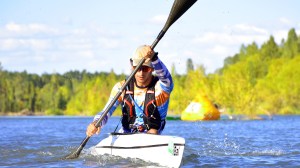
(189, 65)
(269, 50)
(291, 46)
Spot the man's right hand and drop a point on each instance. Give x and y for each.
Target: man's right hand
(91, 130)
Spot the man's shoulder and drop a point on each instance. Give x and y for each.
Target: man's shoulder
(119, 84)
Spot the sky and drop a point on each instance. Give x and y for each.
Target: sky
(48, 36)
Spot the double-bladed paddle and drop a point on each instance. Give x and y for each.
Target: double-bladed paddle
(178, 9)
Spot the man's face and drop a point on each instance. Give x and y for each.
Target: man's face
(143, 75)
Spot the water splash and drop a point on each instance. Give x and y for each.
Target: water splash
(266, 152)
(92, 159)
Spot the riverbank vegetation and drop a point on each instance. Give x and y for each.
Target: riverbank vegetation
(258, 80)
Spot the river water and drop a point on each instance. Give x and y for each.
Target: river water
(43, 141)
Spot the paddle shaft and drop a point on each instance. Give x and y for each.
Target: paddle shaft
(178, 9)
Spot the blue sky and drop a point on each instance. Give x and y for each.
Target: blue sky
(46, 36)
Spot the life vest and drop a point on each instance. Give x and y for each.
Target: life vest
(151, 116)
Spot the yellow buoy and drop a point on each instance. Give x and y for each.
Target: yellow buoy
(200, 109)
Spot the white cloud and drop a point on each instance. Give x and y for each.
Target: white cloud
(23, 43)
(26, 36)
(249, 29)
(109, 43)
(87, 54)
(285, 21)
(8, 44)
(220, 50)
(226, 39)
(159, 19)
(37, 47)
(234, 35)
(13, 29)
(73, 43)
(37, 44)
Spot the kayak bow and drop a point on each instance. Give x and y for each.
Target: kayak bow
(160, 149)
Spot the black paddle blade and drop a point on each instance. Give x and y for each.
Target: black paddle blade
(76, 154)
(71, 156)
(178, 9)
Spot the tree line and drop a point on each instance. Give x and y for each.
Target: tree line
(258, 80)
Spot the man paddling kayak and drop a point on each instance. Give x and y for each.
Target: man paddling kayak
(145, 100)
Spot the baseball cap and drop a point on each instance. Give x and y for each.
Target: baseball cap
(138, 55)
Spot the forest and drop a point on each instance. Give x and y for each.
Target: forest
(259, 80)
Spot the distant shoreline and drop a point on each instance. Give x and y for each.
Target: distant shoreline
(22, 113)
(38, 114)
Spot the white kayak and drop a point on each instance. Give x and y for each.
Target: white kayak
(160, 149)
